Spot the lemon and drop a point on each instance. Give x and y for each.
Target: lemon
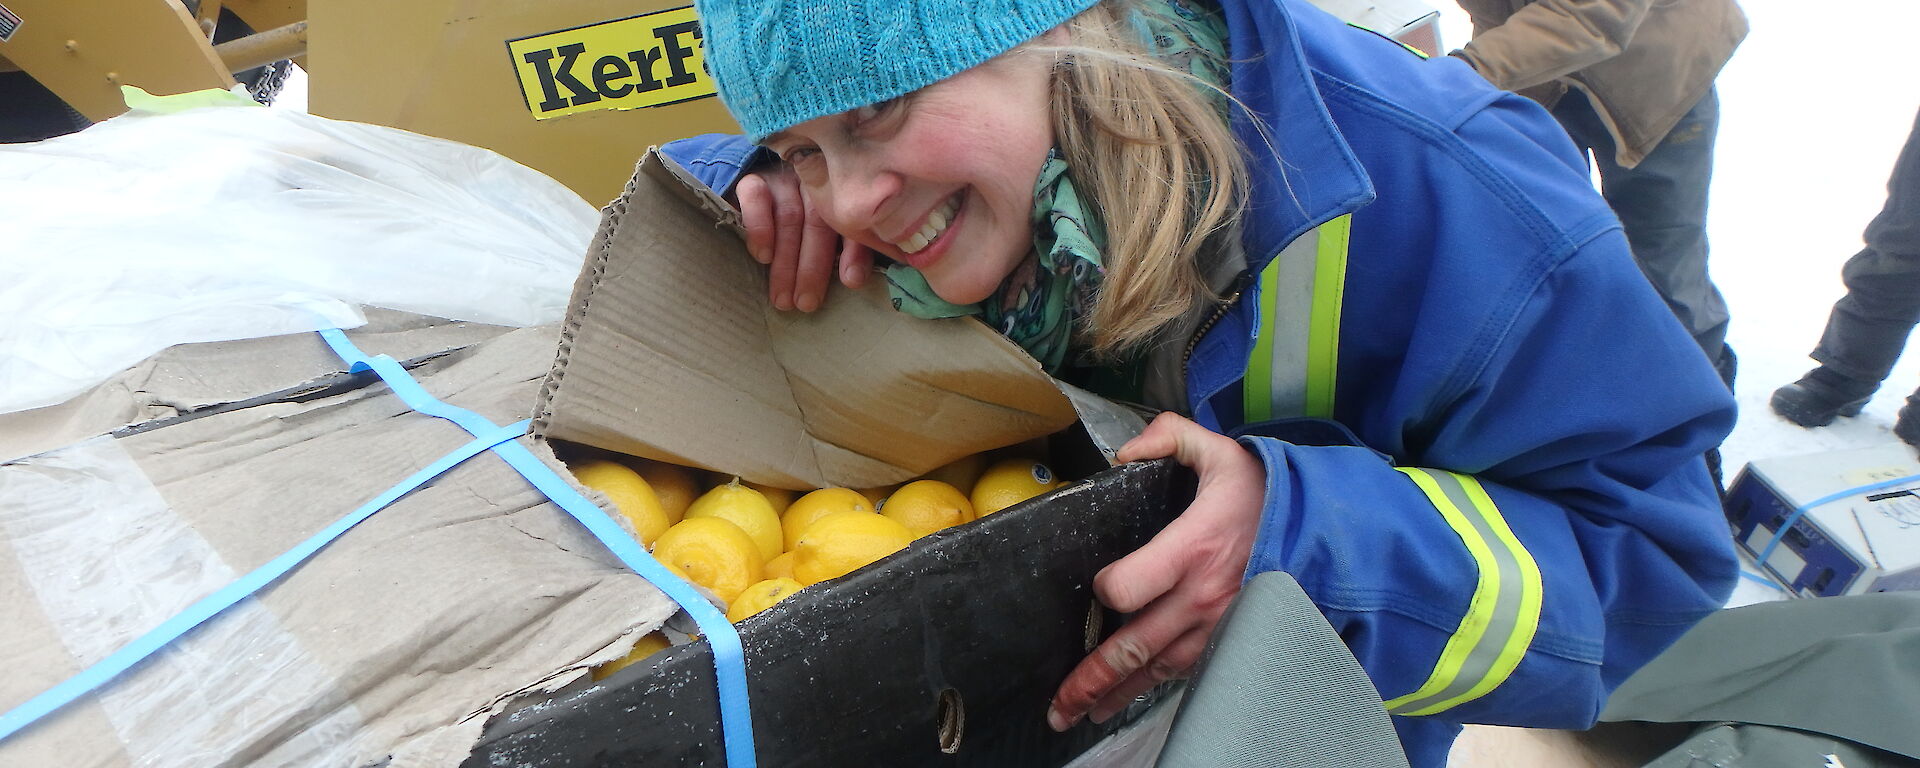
(674, 485)
(842, 542)
(648, 645)
(1011, 481)
(760, 597)
(779, 567)
(744, 507)
(630, 494)
(962, 473)
(816, 505)
(778, 497)
(925, 506)
(876, 496)
(713, 553)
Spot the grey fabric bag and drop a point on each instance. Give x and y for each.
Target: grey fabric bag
(1807, 672)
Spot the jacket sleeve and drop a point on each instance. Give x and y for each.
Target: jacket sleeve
(716, 159)
(1560, 531)
(1549, 39)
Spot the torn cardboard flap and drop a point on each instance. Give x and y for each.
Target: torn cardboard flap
(672, 351)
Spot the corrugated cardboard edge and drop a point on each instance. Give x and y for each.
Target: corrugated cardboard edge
(801, 446)
(595, 268)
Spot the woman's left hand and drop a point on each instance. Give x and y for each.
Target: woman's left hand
(1179, 584)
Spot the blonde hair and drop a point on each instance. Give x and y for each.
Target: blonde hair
(1147, 147)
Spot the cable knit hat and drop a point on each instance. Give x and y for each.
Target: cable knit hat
(778, 63)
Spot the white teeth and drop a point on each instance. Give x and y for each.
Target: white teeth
(936, 223)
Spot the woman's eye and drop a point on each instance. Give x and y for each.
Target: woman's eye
(798, 155)
(874, 110)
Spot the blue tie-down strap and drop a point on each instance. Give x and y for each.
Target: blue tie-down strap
(212, 605)
(729, 661)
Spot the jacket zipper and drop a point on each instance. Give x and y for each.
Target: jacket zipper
(1219, 311)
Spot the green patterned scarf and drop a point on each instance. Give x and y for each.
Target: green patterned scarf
(1039, 303)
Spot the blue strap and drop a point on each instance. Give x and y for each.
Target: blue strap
(1801, 511)
(730, 670)
(183, 622)
(728, 658)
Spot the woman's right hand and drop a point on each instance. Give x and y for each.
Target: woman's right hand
(785, 233)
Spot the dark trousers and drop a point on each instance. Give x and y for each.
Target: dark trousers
(1869, 325)
(1662, 205)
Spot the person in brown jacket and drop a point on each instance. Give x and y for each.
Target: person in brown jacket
(1632, 82)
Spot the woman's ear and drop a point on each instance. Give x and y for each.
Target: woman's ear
(1056, 36)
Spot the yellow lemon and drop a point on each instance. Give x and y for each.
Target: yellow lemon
(760, 597)
(780, 498)
(629, 493)
(779, 567)
(962, 473)
(1011, 481)
(648, 645)
(713, 553)
(925, 506)
(876, 495)
(744, 507)
(816, 505)
(674, 485)
(842, 542)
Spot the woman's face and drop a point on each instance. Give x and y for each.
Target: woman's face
(940, 179)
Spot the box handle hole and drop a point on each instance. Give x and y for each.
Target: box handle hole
(953, 720)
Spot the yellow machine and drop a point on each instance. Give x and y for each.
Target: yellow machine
(575, 88)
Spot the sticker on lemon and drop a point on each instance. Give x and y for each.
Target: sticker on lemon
(744, 507)
(842, 542)
(760, 597)
(712, 553)
(648, 645)
(630, 494)
(1009, 482)
(818, 504)
(925, 506)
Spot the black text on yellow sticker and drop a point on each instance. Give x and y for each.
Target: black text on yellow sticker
(643, 61)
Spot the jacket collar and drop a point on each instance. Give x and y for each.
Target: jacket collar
(1315, 176)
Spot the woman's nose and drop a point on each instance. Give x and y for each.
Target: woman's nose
(862, 193)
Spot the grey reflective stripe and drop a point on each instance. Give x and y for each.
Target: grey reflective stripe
(1292, 319)
(1504, 612)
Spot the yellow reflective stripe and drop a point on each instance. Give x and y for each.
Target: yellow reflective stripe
(1258, 381)
(1504, 612)
(1323, 333)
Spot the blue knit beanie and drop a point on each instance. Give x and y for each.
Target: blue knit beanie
(778, 63)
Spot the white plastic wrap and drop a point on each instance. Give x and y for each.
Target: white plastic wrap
(149, 230)
(204, 701)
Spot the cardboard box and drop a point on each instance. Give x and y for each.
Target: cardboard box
(1862, 541)
(404, 637)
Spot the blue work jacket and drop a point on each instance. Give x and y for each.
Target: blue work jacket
(1511, 514)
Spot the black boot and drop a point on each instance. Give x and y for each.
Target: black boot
(1907, 427)
(1822, 394)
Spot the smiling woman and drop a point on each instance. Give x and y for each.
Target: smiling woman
(1458, 414)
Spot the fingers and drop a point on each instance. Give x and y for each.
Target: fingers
(1176, 661)
(756, 215)
(818, 244)
(1128, 651)
(789, 214)
(856, 263)
(1132, 582)
(1159, 440)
